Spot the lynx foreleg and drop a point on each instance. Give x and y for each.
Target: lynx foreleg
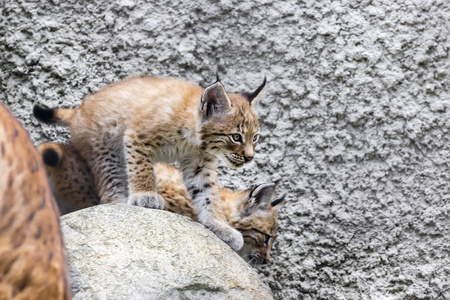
(200, 177)
(141, 177)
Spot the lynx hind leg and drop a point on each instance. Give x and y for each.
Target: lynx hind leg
(105, 160)
(201, 181)
(139, 155)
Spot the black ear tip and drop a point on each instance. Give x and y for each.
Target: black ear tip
(279, 200)
(256, 93)
(217, 76)
(264, 83)
(50, 157)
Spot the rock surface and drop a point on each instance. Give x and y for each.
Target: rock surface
(355, 119)
(119, 251)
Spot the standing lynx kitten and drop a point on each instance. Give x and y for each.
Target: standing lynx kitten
(123, 129)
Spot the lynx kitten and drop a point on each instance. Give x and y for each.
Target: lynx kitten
(123, 129)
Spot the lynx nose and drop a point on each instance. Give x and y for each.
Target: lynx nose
(265, 261)
(248, 158)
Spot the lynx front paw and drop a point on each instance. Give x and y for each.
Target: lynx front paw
(148, 200)
(228, 234)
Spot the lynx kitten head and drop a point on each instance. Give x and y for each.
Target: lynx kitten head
(230, 128)
(255, 216)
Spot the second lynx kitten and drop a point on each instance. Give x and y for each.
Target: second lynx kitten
(123, 129)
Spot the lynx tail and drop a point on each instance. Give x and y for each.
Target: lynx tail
(59, 116)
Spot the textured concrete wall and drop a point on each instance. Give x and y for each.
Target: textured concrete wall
(355, 119)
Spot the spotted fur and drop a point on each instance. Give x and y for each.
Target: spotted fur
(252, 212)
(72, 180)
(33, 263)
(123, 129)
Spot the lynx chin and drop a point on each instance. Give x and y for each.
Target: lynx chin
(122, 130)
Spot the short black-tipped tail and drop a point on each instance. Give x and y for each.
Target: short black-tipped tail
(51, 157)
(44, 114)
(51, 153)
(59, 116)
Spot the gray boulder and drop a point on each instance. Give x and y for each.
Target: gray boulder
(119, 251)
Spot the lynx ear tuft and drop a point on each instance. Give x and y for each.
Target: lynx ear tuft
(217, 77)
(277, 181)
(214, 101)
(279, 201)
(254, 95)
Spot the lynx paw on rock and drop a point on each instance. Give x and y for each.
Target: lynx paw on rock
(227, 234)
(148, 200)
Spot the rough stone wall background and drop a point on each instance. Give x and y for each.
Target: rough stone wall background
(355, 118)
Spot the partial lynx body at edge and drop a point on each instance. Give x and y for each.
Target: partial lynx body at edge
(125, 128)
(33, 263)
(252, 212)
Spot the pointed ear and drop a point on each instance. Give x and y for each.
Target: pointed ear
(252, 96)
(279, 201)
(261, 196)
(214, 101)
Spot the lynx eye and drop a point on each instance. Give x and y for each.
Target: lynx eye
(266, 239)
(255, 138)
(236, 138)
